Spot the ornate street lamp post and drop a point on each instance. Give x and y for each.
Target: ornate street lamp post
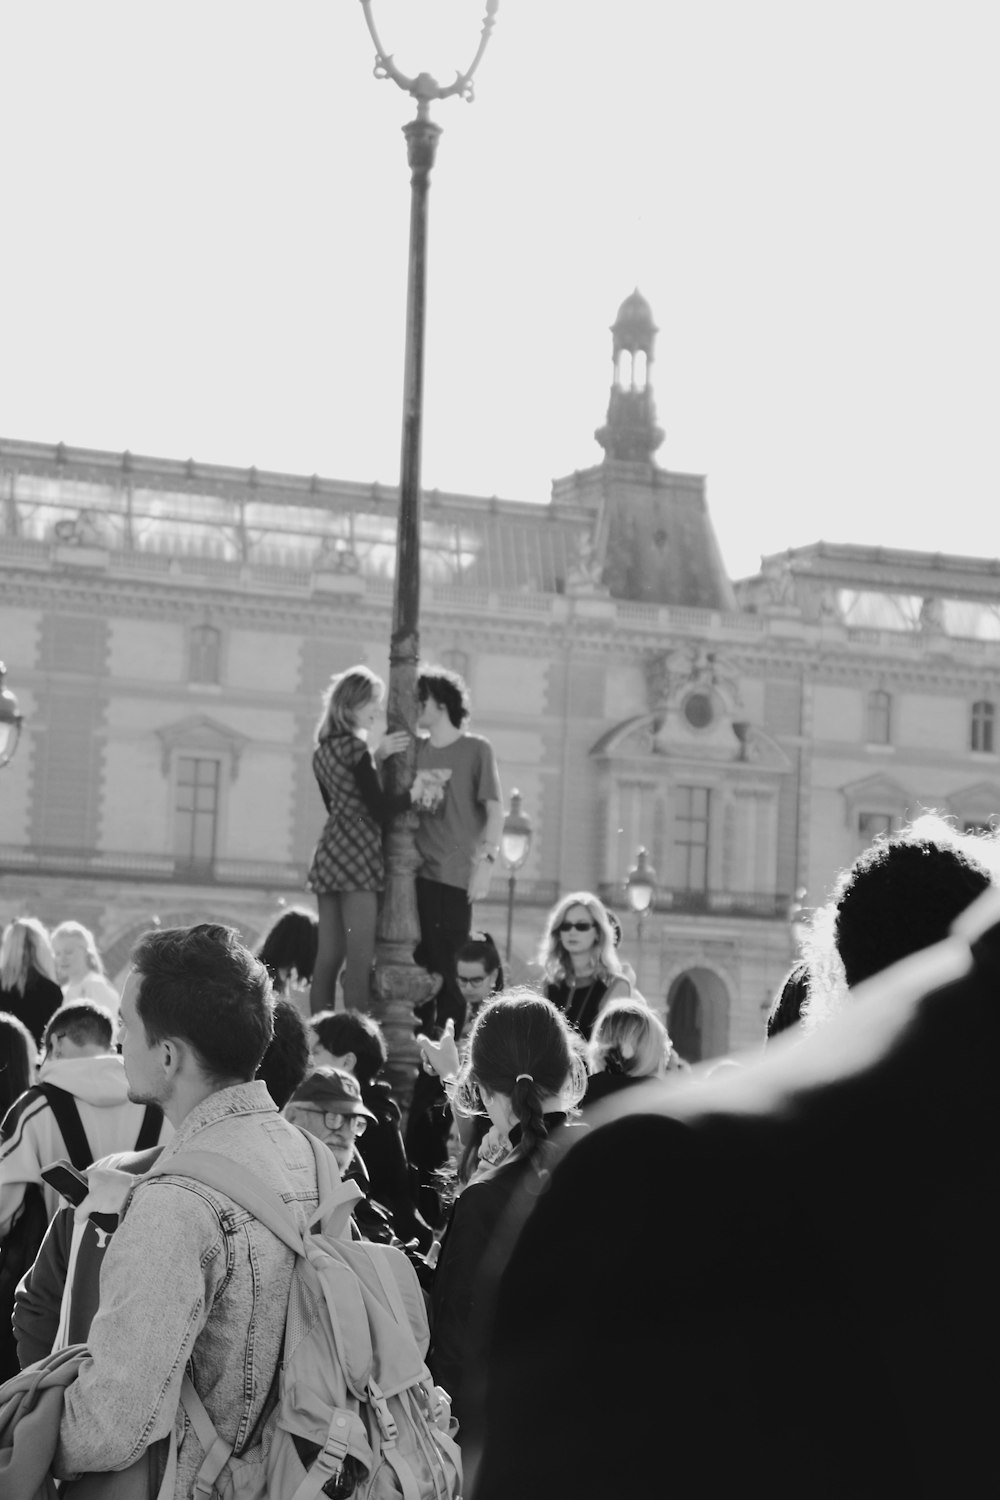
(399, 984)
(515, 846)
(640, 888)
(11, 720)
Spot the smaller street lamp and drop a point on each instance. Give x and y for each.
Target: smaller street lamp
(515, 846)
(640, 887)
(11, 720)
(799, 920)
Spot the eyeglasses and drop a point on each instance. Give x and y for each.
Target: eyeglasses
(472, 979)
(336, 1121)
(576, 926)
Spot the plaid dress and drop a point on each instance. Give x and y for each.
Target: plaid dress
(348, 856)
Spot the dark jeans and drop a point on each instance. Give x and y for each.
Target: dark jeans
(445, 914)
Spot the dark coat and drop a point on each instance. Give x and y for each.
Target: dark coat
(390, 1179)
(36, 1006)
(460, 1300)
(804, 1299)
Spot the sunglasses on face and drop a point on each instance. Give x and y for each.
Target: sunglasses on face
(576, 926)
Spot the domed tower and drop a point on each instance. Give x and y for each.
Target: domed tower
(630, 433)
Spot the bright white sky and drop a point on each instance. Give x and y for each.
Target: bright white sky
(203, 224)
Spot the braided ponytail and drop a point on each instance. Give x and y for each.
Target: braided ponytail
(526, 1103)
(522, 1048)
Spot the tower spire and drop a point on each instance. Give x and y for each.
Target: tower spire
(630, 432)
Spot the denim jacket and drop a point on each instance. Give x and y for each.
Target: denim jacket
(190, 1280)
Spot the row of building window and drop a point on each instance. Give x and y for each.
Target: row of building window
(205, 666)
(878, 723)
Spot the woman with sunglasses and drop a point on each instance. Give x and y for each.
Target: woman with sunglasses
(582, 968)
(524, 1070)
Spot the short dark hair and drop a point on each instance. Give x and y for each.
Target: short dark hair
(480, 948)
(83, 1022)
(203, 986)
(286, 1061)
(350, 1031)
(899, 896)
(290, 944)
(446, 688)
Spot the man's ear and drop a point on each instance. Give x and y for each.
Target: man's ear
(350, 1061)
(172, 1054)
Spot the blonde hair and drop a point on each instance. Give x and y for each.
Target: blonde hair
(346, 694)
(25, 946)
(554, 958)
(629, 1038)
(77, 929)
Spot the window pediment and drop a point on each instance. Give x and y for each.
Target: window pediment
(976, 804)
(673, 735)
(201, 733)
(877, 794)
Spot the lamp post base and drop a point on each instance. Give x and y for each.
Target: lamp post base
(398, 987)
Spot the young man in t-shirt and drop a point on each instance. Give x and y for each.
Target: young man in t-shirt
(458, 838)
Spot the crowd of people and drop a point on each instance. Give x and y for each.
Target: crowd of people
(228, 1130)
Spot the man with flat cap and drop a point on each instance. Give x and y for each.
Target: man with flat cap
(802, 1300)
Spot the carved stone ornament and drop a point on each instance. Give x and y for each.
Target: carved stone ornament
(673, 675)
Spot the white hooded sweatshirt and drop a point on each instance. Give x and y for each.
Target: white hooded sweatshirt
(31, 1139)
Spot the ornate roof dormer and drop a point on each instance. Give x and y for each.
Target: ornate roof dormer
(630, 433)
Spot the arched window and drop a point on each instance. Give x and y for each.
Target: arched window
(205, 654)
(879, 718)
(684, 1021)
(981, 737)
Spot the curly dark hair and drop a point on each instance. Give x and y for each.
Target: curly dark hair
(343, 1031)
(899, 896)
(289, 944)
(202, 985)
(446, 688)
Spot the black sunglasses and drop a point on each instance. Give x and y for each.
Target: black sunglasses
(576, 926)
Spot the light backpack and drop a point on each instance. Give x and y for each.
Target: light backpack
(355, 1412)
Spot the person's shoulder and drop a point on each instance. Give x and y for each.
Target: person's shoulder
(478, 742)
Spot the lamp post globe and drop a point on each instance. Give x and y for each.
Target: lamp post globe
(515, 839)
(11, 720)
(515, 846)
(640, 887)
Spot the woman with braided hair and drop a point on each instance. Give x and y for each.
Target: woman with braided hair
(525, 1071)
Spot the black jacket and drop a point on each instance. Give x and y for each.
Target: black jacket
(805, 1299)
(476, 1233)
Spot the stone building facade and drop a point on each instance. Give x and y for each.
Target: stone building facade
(168, 628)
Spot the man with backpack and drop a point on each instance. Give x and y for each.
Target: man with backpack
(192, 1282)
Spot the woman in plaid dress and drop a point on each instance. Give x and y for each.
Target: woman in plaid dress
(347, 869)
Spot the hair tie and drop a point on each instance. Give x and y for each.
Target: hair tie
(521, 1076)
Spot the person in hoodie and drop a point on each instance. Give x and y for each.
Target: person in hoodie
(80, 1060)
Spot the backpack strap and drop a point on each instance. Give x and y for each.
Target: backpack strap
(149, 1130)
(237, 1182)
(336, 1198)
(67, 1116)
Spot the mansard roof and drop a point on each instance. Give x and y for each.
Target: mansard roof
(598, 534)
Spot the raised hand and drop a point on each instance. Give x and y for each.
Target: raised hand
(392, 744)
(440, 1057)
